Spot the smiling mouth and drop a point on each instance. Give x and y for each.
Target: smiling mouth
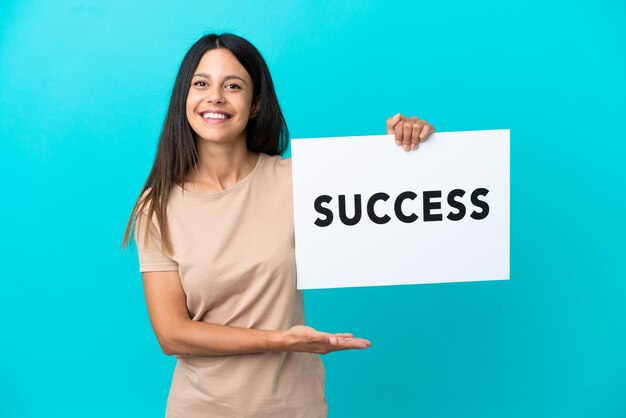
(215, 115)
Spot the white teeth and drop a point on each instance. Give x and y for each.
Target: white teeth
(211, 115)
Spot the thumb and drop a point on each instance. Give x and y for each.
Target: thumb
(391, 123)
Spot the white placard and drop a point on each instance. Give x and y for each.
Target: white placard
(415, 230)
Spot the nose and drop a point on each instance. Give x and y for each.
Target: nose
(215, 95)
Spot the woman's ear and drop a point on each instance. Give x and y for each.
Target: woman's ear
(256, 105)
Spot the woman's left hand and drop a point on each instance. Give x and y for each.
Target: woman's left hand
(409, 131)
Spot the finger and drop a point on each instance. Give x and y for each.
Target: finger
(398, 132)
(425, 132)
(415, 139)
(414, 145)
(344, 335)
(353, 340)
(351, 343)
(391, 123)
(363, 341)
(320, 338)
(407, 130)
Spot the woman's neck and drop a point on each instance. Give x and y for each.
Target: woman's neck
(220, 166)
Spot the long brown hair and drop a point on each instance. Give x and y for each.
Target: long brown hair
(177, 154)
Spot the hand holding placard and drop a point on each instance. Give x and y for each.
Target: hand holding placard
(408, 131)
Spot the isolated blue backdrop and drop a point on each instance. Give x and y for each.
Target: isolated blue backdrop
(83, 93)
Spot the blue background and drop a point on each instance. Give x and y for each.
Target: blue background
(83, 94)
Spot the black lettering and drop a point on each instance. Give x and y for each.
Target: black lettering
(428, 206)
(398, 207)
(480, 203)
(456, 205)
(323, 211)
(357, 210)
(370, 208)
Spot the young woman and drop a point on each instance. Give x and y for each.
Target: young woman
(215, 239)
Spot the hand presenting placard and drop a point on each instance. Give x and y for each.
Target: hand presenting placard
(306, 339)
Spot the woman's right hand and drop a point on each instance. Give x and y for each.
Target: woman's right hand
(307, 339)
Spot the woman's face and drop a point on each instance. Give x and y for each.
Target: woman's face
(219, 102)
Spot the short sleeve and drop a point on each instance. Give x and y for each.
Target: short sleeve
(151, 256)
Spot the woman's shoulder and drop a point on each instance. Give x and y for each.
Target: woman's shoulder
(277, 170)
(144, 202)
(277, 163)
(277, 159)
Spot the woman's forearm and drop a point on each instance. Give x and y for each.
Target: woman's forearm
(196, 338)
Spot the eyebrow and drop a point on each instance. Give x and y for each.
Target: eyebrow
(228, 77)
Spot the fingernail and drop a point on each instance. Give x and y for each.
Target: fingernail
(398, 143)
(405, 147)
